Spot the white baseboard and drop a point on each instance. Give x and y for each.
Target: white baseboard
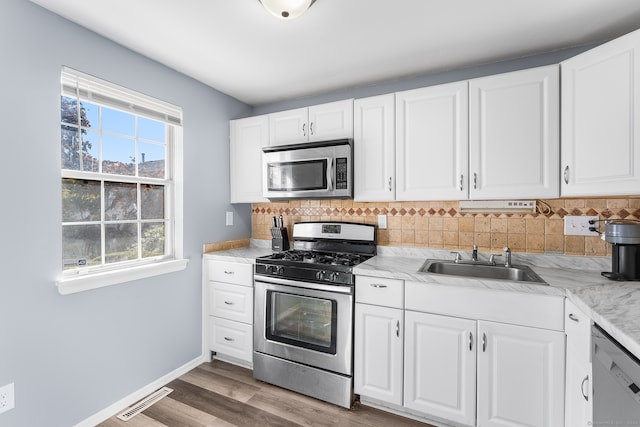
(120, 405)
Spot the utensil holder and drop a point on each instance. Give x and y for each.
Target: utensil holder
(279, 239)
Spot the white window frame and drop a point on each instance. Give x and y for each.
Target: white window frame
(94, 90)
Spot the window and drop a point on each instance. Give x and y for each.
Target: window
(121, 199)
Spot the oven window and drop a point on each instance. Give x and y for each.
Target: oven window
(302, 321)
(297, 176)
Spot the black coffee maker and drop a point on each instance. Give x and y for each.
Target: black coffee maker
(624, 237)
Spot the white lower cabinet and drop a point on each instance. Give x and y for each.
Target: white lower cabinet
(229, 308)
(440, 366)
(472, 357)
(579, 386)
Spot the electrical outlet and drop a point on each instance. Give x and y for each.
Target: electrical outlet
(581, 226)
(7, 398)
(382, 221)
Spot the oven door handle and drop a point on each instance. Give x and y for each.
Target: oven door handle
(345, 289)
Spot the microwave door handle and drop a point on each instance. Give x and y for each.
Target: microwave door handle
(330, 173)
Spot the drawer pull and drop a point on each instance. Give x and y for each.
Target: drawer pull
(378, 285)
(229, 302)
(585, 395)
(228, 339)
(573, 317)
(228, 272)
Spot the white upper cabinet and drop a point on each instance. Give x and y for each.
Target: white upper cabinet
(374, 144)
(432, 143)
(600, 128)
(514, 127)
(247, 137)
(333, 120)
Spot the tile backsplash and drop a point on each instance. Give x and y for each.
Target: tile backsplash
(440, 225)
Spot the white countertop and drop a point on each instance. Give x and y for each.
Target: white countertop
(615, 306)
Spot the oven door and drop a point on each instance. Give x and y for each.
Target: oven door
(308, 323)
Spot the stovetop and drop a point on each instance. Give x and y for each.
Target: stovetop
(317, 257)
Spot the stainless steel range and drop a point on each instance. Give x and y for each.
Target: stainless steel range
(304, 305)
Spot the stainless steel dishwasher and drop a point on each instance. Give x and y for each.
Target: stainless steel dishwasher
(616, 382)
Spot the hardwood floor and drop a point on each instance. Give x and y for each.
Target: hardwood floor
(221, 394)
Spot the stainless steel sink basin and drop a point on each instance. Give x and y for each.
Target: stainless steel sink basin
(518, 273)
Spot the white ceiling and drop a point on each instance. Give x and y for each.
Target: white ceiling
(240, 49)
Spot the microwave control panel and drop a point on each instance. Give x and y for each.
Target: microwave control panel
(341, 173)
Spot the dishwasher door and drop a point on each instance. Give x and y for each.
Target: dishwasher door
(616, 382)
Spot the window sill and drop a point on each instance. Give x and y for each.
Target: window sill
(71, 285)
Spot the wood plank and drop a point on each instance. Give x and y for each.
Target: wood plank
(220, 384)
(140, 420)
(223, 407)
(177, 414)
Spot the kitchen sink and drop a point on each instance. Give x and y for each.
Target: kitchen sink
(518, 273)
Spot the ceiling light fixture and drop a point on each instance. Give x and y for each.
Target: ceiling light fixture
(287, 9)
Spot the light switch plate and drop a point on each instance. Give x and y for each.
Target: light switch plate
(229, 218)
(581, 225)
(382, 221)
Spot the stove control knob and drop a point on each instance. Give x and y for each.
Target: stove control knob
(320, 275)
(334, 276)
(279, 269)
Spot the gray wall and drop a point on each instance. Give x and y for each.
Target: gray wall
(72, 356)
(548, 58)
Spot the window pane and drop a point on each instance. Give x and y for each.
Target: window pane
(90, 150)
(118, 155)
(120, 201)
(70, 147)
(151, 160)
(90, 114)
(118, 122)
(152, 239)
(121, 242)
(152, 201)
(68, 110)
(150, 129)
(80, 200)
(80, 245)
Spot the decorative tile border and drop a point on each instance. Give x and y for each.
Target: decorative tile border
(440, 224)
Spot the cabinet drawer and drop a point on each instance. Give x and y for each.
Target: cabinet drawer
(230, 272)
(380, 291)
(517, 308)
(233, 302)
(577, 325)
(231, 338)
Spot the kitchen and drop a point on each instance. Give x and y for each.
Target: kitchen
(78, 340)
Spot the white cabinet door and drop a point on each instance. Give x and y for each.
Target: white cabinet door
(514, 127)
(440, 366)
(247, 137)
(432, 143)
(520, 376)
(333, 120)
(323, 122)
(374, 145)
(600, 125)
(579, 388)
(289, 127)
(378, 353)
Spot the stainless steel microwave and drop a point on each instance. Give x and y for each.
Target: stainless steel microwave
(311, 170)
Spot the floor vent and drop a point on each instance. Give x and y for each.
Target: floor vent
(144, 403)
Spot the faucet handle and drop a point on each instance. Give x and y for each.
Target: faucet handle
(458, 256)
(507, 256)
(492, 258)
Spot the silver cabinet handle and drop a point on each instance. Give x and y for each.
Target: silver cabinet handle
(398, 328)
(573, 317)
(378, 285)
(566, 174)
(585, 395)
(461, 182)
(229, 272)
(389, 183)
(228, 339)
(475, 181)
(311, 128)
(228, 302)
(484, 342)
(470, 341)
(304, 129)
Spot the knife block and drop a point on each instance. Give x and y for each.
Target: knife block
(279, 239)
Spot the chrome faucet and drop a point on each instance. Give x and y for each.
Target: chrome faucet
(474, 254)
(507, 256)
